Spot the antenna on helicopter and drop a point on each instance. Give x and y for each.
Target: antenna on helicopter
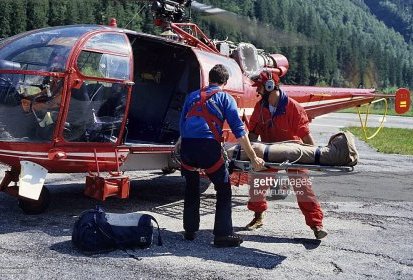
(134, 16)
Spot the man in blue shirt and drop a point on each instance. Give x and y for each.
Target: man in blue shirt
(201, 123)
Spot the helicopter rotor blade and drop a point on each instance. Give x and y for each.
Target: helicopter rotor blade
(208, 9)
(262, 34)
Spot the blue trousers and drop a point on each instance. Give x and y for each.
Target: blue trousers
(203, 153)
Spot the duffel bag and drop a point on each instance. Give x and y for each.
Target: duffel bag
(96, 231)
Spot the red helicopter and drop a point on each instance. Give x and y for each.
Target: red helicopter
(93, 98)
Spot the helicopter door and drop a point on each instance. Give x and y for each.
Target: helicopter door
(98, 103)
(207, 61)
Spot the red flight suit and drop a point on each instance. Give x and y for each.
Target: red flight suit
(290, 122)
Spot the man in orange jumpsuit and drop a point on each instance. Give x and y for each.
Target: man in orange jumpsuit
(275, 118)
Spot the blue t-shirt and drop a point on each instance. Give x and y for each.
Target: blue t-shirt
(197, 127)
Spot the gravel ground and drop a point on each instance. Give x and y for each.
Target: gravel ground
(368, 213)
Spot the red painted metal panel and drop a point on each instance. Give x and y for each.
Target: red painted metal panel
(322, 109)
(403, 102)
(207, 60)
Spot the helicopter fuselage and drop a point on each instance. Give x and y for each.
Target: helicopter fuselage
(90, 98)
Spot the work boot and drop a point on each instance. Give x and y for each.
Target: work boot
(257, 222)
(227, 241)
(189, 235)
(319, 232)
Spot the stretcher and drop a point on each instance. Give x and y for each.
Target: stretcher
(241, 172)
(338, 157)
(245, 166)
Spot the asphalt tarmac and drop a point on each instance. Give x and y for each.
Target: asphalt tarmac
(368, 213)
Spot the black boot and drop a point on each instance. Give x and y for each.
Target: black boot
(227, 241)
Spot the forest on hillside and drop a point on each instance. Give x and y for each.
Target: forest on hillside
(397, 14)
(335, 42)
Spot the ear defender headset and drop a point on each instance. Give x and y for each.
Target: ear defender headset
(270, 83)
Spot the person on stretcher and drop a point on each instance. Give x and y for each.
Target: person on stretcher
(340, 151)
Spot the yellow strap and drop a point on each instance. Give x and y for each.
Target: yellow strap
(364, 124)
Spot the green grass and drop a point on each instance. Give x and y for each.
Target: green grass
(377, 111)
(389, 140)
(378, 108)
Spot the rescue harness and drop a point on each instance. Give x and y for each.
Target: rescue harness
(200, 109)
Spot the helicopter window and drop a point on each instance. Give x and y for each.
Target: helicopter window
(36, 43)
(34, 59)
(109, 42)
(101, 65)
(96, 112)
(29, 107)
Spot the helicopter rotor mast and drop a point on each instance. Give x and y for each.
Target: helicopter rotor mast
(171, 15)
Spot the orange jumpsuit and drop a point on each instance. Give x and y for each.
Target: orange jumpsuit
(289, 122)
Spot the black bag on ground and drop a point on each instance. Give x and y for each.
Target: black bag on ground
(96, 231)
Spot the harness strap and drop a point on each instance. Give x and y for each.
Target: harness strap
(317, 156)
(200, 109)
(266, 153)
(214, 168)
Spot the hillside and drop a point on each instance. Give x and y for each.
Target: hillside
(397, 14)
(335, 42)
(348, 46)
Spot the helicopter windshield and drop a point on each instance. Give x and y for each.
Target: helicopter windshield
(30, 103)
(43, 50)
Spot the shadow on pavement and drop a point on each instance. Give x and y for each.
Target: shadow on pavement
(309, 244)
(201, 248)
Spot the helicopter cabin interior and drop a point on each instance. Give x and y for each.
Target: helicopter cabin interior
(164, 73)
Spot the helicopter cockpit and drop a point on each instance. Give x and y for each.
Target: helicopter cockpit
(31, 77)
(33, 81)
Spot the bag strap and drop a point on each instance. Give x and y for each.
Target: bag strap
(99, 220)
(160, 243)
(99, 216)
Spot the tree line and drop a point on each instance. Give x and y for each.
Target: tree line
(334, 43)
